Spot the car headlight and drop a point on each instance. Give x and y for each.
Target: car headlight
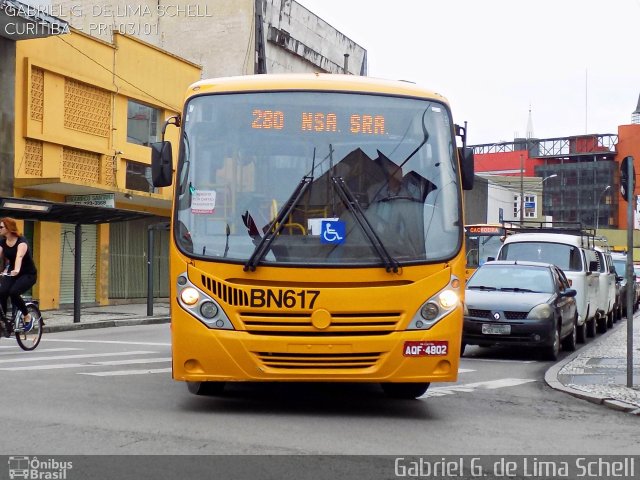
(437, 307)
(540, 312)
(200, 305)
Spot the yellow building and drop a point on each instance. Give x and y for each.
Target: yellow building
(86, 111)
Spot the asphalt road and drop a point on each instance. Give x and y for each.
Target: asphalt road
(109, 391)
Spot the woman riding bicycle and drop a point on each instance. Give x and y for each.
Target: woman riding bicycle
(15, 254)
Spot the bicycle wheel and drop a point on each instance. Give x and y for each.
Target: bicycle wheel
(29, 338)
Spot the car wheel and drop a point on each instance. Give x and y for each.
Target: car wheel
(591, 327)
(610, 319)
(601, 324)
(581, 331)
(569, 342)
(552, 351)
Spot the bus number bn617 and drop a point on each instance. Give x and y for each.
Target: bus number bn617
(283, 298)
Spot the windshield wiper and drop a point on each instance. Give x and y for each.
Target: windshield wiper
(515, 289)
(276, 226)
(352, 204)
(481, 287)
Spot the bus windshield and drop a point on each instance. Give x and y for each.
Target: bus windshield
(329, 178)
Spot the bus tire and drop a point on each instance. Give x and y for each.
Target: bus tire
(404, 390)
(205, 388)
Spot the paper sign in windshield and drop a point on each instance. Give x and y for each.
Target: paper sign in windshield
(203, 202)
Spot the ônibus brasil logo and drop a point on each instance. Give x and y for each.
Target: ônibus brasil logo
(36, 469)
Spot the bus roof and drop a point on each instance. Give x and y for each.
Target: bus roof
(311, 81)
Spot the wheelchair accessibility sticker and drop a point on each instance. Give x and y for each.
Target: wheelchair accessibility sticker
(332, 231)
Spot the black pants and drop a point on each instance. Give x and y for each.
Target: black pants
(13, 287)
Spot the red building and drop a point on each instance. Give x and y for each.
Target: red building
(584, 172)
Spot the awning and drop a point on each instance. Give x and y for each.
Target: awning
(29, 209)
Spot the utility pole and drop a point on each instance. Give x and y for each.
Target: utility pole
(521, 187)
(260, 55)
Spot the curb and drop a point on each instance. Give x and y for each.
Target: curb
(106, 324)
(551, 379)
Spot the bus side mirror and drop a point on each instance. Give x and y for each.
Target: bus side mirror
(466, 167)
(161, 164)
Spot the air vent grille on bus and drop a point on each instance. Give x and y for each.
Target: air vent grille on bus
(230, 295)
(342, 324)
(318, 361)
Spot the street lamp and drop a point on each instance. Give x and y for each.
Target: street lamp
(598, 206)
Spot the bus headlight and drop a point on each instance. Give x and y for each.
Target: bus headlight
(190, 296)
(201, 306)
(429, 311)
(437, 307)
(208, 309)
(448, 299)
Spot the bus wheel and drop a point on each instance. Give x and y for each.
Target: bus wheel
(404, 390)
(205, 388)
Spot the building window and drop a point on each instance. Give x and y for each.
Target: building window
(138, 177)
(530, 204)
(143, 125)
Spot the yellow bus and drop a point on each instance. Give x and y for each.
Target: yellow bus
(482, 242)
(317, 233)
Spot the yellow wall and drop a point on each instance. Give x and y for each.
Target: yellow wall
(46, 249)
(71, 121)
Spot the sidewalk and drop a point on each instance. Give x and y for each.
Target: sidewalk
(105, 316)
(597, 372)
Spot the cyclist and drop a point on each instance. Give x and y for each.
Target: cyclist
(15, 254)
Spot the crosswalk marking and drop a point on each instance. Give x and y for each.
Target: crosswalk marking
(69, 357)
(113, 342)
(55, 366)
(115, 373)
(41, 350)
(496, 360)
(470, 387)
(465, 370)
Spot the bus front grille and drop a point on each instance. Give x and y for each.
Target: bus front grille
(301, 324)
(322, 361)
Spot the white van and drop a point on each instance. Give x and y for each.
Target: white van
(607, 290)
(574, 255)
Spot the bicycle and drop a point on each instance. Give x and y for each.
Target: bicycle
(27, 336)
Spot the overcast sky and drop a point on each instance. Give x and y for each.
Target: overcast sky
(575, 62)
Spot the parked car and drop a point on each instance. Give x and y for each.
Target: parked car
(620, 265)
(606, 289)
(577, 258)
(520, 303)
